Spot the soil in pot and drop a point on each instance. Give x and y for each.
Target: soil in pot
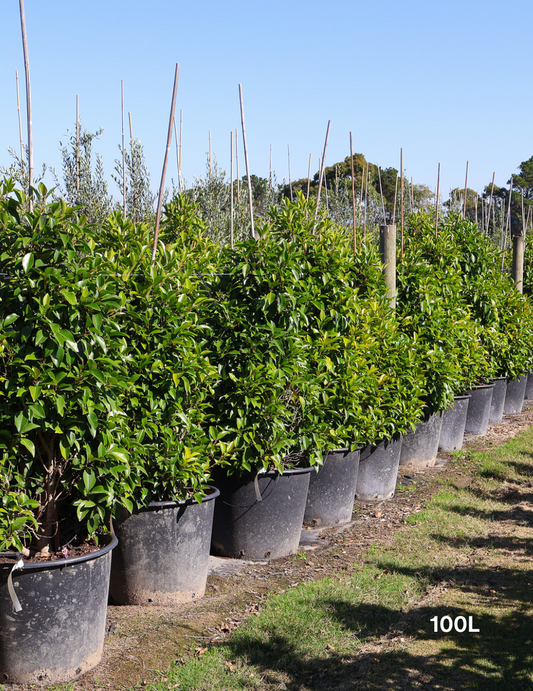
(453, 425)
(378, 470)
(260, 516)
(59, 631)
(331, 492)
(419, 448)
(163, 553)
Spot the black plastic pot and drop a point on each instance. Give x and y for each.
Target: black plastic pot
(514, 397)
(378, 470)
(59, 632)
(453, 424)
(477, 419)
(419, 448)
(332, 489)
(163, 553)
(529, 387)
(260, 516)
(498, 400)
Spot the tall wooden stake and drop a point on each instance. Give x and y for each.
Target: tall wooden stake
(466, 190)
(20, 121)
(237, 164)
(490, 202)
(231, 188)
(289, 161)
(123, 149)
(165, 162)
(181, 139)
(437, 197)
(322, 167)
(353, 197)
(309, 177)
(77, 142)
(401, 198)
(382, 199)
(250, 197)
(28, 103)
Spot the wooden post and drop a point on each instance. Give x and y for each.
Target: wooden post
(181, 137)
(387, 250)
(289, 161)
(466, 190)
(165, 162)
(309, 177)
(518, 262)
(401, 197)
(77, 142)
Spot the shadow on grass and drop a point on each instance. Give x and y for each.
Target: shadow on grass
(498, 657)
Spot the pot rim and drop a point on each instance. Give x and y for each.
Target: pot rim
(184, 502)
(61, 563)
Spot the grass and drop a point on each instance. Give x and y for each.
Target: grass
(468, 554)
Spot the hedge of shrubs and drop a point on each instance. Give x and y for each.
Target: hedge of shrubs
(125, 381)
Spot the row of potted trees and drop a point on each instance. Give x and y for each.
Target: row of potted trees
(130, 389)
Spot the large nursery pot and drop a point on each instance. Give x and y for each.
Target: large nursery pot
(514, 397)
(378, 470)
(498, 400)
(260, 515)
(59, 631)
(163, 553)
(477, 419)
(419, 448)
(331, 492)
(453, 424)
(529, 387)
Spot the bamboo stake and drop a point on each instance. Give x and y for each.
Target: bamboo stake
(523, 215)
(270, 168)
(165, 162)
(401, 197)
(395, 200)
(28, 103)
(353, 197)
(20, 120)
(382, 200)
(290, 183)
(437, 196)
(363, 174)
(181, 137)
(309, 177)
(475, 209)
(77, 142)
(508, 223)
(366, 200)
(250, 199)
(490, 204)
(133, 173)
(466, 190)
(210, 171)
(326, 190)
(176, 139)
(237, 162)
(322, 166)
(411, 196)
(123, 149)
(231, 188)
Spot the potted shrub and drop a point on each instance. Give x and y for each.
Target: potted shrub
(165, 532)
(291, 327)
(64, 469)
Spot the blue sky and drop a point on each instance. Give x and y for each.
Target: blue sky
(446, 81)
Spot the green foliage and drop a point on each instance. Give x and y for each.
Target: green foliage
(308, 352)
(139, 197)
(84, 182)
(62, 366)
